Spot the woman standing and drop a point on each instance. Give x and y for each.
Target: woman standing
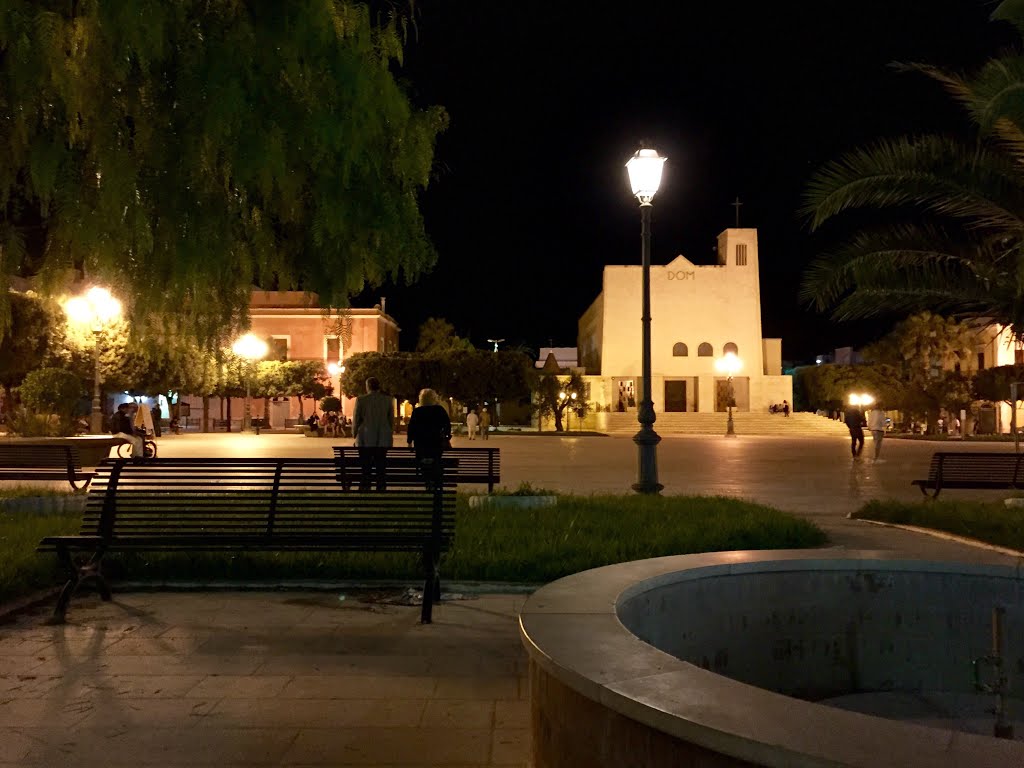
(429, 434)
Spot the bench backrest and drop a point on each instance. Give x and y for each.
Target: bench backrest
(270, 498)
(461, 465)
(997, 468)
(53, 456)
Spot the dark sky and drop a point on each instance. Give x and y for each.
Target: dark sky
(548, 100)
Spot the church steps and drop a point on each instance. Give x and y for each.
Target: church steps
(797, 424)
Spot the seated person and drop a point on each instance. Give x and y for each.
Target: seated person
(121, 426)
(331, 424)
(313, 422)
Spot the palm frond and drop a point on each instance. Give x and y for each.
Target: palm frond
(935, 173)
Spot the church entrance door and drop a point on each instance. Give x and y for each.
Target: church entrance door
(675, 396)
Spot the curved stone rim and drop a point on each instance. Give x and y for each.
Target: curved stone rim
(571, 629)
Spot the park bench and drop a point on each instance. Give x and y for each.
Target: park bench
(43, 462)
(461, 465)
(991, 471)
(245, 505)
(224, 424)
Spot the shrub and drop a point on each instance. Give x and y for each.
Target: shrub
(330, 404)
(47, 392)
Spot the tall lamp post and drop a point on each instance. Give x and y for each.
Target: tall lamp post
(730, 365)
(97, 308)
(644, 170)
(495, 342)
(251, 348)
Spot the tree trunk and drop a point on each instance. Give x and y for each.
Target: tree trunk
(229, 414)
(558, 420)
(302, 416)
(206, 413)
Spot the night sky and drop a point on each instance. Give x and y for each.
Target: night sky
(548, 100)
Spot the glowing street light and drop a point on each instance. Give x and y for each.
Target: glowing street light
(644, 170)
(729, 364)
(96, 309)
(495, 342)
(249, 347)
(335, 368)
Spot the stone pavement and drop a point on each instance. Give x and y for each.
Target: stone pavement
(303, 679)
(264, 679)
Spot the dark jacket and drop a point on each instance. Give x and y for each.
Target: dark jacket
(855, 418)
(429, 431)
(120, 422)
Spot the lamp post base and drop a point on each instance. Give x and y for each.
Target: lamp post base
(729, 430)
(96, 420)
(647, 461)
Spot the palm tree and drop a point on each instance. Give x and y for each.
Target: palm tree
(958, 246)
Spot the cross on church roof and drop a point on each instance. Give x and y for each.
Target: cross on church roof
(737, 205)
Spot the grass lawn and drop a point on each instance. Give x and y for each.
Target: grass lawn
(26, 491)
(992, 522)
(531, 546)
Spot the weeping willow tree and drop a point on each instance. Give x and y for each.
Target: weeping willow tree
(183, 151)
(953, 241)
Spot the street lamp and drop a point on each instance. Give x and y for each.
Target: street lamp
(251, 348)
(495, 342)
(644, 170)
(730, 365)
(96, 309)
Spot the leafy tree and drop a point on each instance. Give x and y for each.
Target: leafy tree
(548, 400)
(828, 386)
(53, 392)
(438, 337)
(29, 344)
(305, 378)
(957, 244)
(185, 150)
(330, 404)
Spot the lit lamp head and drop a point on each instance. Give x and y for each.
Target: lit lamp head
(867, 400)
(644, 170)
(334, 369)
(729, 364)
(561, 395)
(573, 395)
(250, 347)
(855, 399)
(96, 308)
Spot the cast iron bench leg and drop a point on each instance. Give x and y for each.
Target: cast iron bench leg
(426, 615)
(79, 575)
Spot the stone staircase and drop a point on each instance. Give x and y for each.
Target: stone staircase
(797, 425)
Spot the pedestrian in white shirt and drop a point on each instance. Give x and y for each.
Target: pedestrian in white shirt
(472, 422)
(876, 425)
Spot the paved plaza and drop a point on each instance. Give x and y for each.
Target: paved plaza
(308, 679)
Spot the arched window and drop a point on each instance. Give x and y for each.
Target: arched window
(705, 350)
(679, 350)
(730, 347)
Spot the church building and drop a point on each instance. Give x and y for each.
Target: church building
(698, 314)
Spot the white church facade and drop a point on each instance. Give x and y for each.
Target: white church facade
(698, 314)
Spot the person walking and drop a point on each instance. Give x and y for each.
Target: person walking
(373, 424)
(157, 414)
(429, 434)
(854, 419)
(472, 420)
(121, 426)
(876, 425)
(785, 408)
(485, 423)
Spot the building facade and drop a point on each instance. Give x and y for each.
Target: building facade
(295, 327)
(698, 314)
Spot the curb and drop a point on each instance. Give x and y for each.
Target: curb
(976, 543)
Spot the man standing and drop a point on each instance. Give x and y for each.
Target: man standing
(876, 424)
(485, 423)
(854, 419)
(373, 424)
